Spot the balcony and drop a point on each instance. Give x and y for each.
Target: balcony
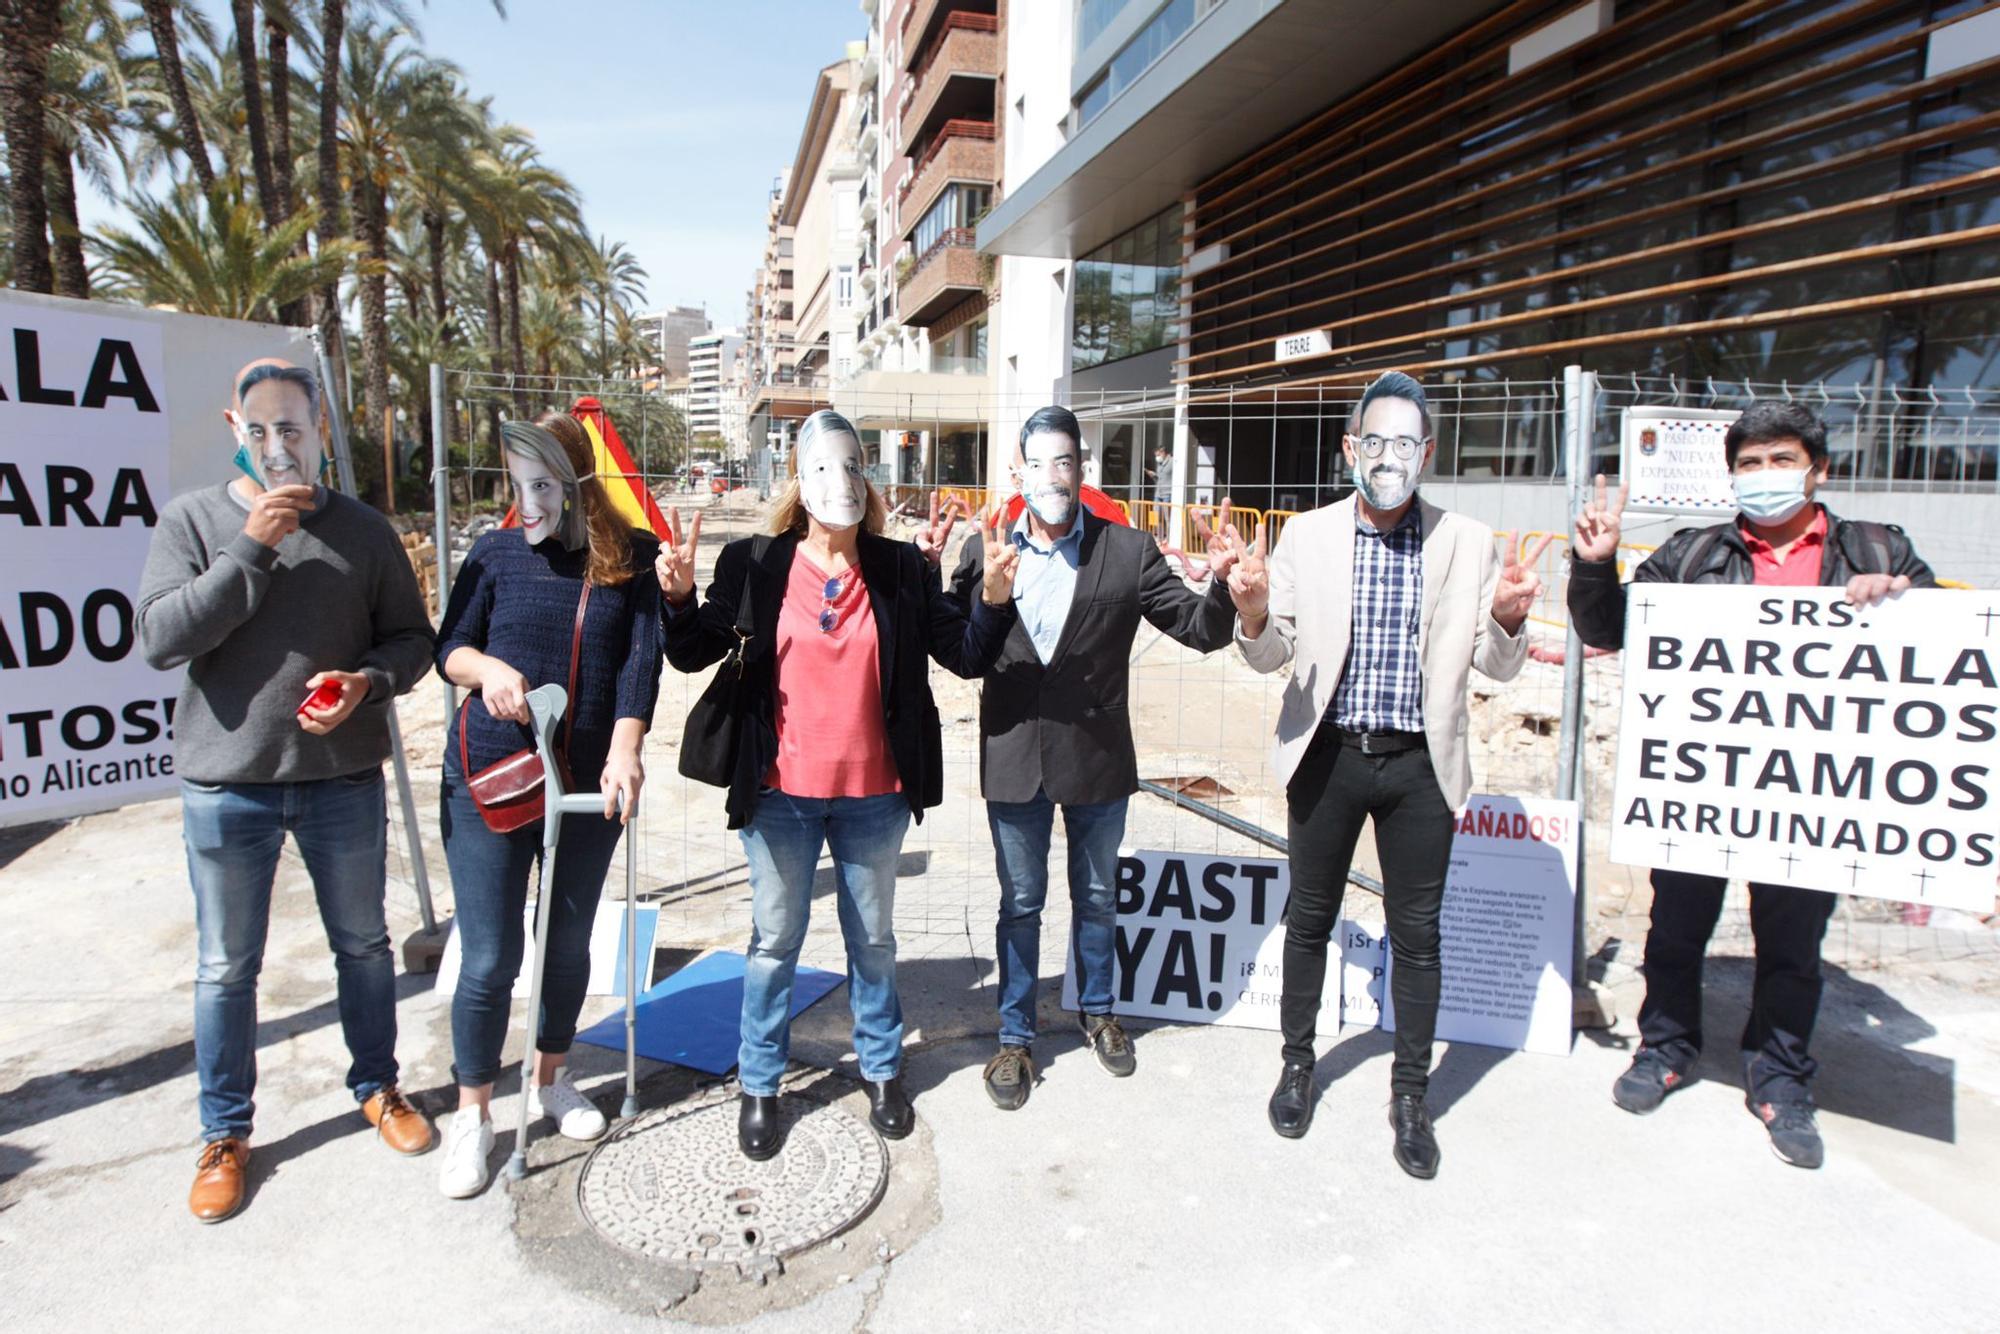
(923, 19)
(945, 276)
(962, 151)
(954, 79)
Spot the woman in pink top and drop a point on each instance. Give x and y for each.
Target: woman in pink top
(837, 740)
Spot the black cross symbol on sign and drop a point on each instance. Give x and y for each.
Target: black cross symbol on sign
(1669, 845)
(1789, 859)
(1987, 616)
(1854, 877)
(1923, 877)
(1646, 609)
(1728, 854)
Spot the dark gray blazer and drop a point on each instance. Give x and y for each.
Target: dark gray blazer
(1064, 728)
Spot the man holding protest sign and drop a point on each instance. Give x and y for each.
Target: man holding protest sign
(1383, 604)
(1782, 537)
(296, 613)
(1054, 730)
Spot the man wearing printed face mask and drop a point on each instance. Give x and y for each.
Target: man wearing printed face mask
(1382, 604)
(297, 616)
(1782, 537)
(1054, 730)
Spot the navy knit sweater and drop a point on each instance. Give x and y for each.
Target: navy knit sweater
(517, 603)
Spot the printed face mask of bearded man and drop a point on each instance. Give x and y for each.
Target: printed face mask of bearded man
(1046, 470)
(1389, 441)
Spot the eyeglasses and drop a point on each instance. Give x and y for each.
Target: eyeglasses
(1371, 446)
(828, 617)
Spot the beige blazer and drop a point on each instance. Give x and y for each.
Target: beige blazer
(1312, 612)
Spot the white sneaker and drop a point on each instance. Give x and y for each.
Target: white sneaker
(575, 1116)
(468, 1143)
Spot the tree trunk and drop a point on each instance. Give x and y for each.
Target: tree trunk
(59, 187)
(279, 57)
(434, 223)
(332, 224)
(371, 220)
(245, 13)
(510, 264)
(28, 29)
(160, 20)
(495, 353)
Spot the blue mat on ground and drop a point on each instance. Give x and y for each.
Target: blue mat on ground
(694, 1017)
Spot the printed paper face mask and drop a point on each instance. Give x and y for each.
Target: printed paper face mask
(1047, 476)
(277, 437)
(1771, 495)
(539, 499)
(830, 478)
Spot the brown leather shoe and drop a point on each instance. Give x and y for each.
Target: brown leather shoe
(397, 1124)
(220, 1180)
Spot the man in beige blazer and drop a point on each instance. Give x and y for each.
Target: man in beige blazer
(1382, 604)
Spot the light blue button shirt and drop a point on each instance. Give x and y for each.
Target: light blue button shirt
(1045, 581)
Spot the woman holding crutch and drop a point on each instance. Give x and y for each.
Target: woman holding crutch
(827, 737)
(554, 600)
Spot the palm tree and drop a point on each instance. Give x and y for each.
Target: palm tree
(213, 256)
(243, 13)
(396, 99)
(89, 98)
(530, 207)
(619, 281)
(29, 30)
(167, 51)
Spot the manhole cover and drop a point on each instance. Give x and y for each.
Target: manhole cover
(674, 1186)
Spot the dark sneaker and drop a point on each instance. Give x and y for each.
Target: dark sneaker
(1647, 1082)
(1291, 1108)
(1794, 1133)
(1108, 1040)
(1009, 1077)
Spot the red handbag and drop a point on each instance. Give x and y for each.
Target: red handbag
(509, 792)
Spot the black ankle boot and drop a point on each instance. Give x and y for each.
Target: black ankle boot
(759, 1131)
(1416, 1146)
(889, 1107)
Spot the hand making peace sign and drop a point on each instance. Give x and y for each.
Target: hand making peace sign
(932, 536)
(674, 566)
(1225, 544)
(1597, 528)
(1001, 559)
(1514, 596)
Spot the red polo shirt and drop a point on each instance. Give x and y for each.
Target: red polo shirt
(1801, 565)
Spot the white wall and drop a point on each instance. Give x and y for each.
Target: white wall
(1028, 340)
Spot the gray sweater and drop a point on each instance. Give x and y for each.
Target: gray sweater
(253, 624)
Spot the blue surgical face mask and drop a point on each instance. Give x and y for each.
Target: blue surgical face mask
(1771, 495)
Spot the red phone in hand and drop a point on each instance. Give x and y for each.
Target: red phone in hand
(324, 696)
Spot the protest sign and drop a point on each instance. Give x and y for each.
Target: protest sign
(1509, 913)
(1788, 737)
(1672, 461)
(1199, 940)
(105, 412)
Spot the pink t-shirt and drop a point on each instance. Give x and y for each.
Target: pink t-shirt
(831, 738)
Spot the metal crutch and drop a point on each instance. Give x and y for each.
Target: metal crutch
(546, 705)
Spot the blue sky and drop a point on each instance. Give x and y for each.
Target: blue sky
(672, 116)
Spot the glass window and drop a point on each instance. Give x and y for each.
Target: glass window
(1128, 293)
(1093, 17)
(1137, 56)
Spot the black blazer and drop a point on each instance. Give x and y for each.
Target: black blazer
(913, 620)
(1064, 727)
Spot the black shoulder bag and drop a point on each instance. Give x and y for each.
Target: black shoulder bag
(711, 737)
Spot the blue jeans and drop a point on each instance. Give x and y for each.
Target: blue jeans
(489, 888)
(234, 833)
(783, 842)
(1021, 854)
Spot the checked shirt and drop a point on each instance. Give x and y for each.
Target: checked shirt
(1381, 688)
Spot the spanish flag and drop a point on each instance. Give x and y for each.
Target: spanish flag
(612, 463)
(616, 470)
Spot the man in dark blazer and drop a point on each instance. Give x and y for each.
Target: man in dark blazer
(1054, 730)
